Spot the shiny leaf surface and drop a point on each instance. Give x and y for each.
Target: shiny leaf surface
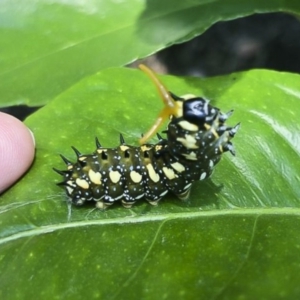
(48, 45)
(237, 237)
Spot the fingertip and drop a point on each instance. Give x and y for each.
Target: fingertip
(32, 137)
(17, 149)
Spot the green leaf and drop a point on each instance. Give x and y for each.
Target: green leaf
(237, 237)
(47, 46)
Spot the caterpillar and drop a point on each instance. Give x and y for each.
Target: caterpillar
(196, 137)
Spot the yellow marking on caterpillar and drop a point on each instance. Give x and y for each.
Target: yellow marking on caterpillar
(82, 183)
(188, 126)
(221, 148)
(178, 167)
(188, 96)
(213, 131)
(152, 174)
(95, 177)
(189, 142)
(207, 126)
(169, 173)
(135, 176)
(145, 148)
(114, 176)
(158, 147)
(124, 148)
(190, 156)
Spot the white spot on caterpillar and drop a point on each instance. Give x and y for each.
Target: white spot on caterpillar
(189, 141)
(152, 174)
(118, 198)
(114, 176)
(69, 190)
(163, 193)
(139, 196)
(82, 183)
(187, 186)
(95, 177)
(169, 173)
(202, 176)
(188, 126)
(70, 182)
(135, 176)
(80, 201)
(211, 163)
(178, 167)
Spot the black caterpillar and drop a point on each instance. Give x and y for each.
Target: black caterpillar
(196, 138)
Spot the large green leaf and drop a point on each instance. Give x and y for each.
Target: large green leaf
(237, 237)
(47, 46)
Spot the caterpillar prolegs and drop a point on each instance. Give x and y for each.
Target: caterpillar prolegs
(196, 137)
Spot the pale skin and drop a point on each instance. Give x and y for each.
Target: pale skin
(17, 148)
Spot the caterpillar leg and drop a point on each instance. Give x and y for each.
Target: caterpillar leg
(153, 202)
(103, 205)
(127, 204)
(185, 195)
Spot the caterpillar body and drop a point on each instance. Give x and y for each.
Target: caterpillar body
(196, 138)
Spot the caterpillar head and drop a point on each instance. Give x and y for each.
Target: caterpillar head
(197, 130)
(193, 110)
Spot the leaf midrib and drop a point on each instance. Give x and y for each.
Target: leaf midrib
(151, 218)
